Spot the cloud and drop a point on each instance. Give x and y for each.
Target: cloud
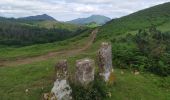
(70, 9)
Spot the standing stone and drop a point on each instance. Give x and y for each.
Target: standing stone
(85, 70)
(61, 70)
(61, 89)
(105, 60)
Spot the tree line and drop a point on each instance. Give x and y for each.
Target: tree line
(14, 33)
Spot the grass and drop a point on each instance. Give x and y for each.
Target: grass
(138, 87)
(7, 53)
(59, 25)
(165, 27)
(38, 78)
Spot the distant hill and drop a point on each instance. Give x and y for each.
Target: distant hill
(38, 17)
(100, 20)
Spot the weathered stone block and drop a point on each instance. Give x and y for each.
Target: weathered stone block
(61, 90)
(85, 70)
(105, 60)
(61, 69)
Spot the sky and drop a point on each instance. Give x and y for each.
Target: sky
(64, 10)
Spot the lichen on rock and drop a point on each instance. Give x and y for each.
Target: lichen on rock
(105, 60)
(62, 90)
(85, 70)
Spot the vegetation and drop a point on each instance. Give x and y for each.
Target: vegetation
(13, 52)
(157, 16)
(145, 50)
(22, 33)
(38, 79)
(140, 41)
(97, 90)
(92, 25)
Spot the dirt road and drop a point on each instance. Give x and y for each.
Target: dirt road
(51, 54)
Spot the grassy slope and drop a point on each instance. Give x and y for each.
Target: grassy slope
(39, 49)
(38, 78)
(58, 25)
(158, 15)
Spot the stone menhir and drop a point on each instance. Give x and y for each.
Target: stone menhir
(85, 70)
(61, 90)
(105, 60)
(61, 70)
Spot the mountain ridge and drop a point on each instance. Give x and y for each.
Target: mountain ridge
(38, 17)
(99, 19)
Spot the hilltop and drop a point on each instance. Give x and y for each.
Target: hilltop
(99, 19)
(38, 18)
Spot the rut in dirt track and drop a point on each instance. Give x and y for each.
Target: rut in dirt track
(21, 61)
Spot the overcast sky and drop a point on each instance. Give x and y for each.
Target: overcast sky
(64, 10)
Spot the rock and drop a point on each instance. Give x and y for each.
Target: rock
(136, 72)
(49, 96)
(122, 72)
(61, 69)
(26, 91)
(105, 60)
(46, 96)
(85, 69)
(61, 90)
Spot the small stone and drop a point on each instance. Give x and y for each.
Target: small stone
(136, 72)
(26, 91)
(122, 72)
(46, 96)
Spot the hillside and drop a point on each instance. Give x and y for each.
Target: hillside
(100, 20)
(28, 32)
(141, 40)
(156, 15)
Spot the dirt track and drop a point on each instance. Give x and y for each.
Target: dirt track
(50, 54)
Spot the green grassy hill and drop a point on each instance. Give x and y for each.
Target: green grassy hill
(157, 15)
(140, 38)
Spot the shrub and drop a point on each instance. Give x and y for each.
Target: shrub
(97, 90)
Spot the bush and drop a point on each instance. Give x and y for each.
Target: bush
(144, 51)
(97, 90)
